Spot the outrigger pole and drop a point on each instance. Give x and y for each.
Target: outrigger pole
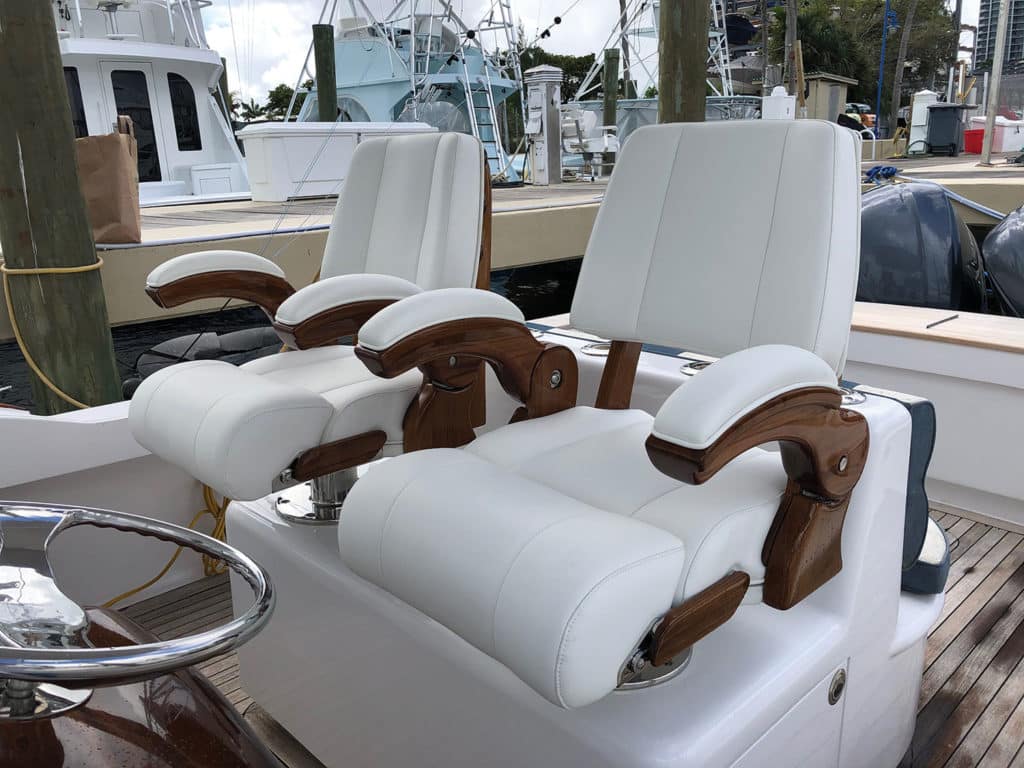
(55, 294)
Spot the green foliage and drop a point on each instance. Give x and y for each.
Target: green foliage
(574, 68)
(280, 97)
(845, 38)
(251, 110)
(651, 92)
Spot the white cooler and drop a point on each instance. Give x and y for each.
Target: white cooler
(289, 160)
(1008, 135)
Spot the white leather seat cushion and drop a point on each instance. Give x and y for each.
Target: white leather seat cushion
(557, 590)
(362, 402)
(200, 262)
(598, 457)
(230, 429)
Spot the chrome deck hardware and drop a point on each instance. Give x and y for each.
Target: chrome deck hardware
(44, 633)
(318, 501)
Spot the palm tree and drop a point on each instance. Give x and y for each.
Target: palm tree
(252, 110)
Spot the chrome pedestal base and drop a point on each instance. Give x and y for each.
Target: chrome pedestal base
(319, 501)
(21, 700)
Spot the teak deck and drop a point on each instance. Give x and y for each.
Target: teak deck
(971, 711)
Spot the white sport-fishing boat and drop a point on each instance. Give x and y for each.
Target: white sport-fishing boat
(659, 531)
(149, 59)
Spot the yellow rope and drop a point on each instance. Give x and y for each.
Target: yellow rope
(211, 566)
(51, 270)
(7, 272)
(216, 509)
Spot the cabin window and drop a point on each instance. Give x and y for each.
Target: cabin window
(75, 98)
(131, 97)
(186, 118)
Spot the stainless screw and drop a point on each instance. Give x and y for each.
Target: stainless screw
(286, 475)
(452, 361)
(843, 462)
(556, 379)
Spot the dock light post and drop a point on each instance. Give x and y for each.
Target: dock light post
(888, 20)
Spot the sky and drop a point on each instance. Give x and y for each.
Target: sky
(267, 42)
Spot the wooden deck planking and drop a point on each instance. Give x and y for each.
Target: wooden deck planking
(971, 710)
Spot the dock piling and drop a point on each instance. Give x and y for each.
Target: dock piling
(56, 294)
(682, 60)
(326, 79)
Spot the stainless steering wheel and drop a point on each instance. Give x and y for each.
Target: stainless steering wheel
(43, 632)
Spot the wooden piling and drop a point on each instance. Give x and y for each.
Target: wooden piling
(682, 60)
(43, 221)
(326, 80)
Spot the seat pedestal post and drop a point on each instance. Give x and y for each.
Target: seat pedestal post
(319, 501)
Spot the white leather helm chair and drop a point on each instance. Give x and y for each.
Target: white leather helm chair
(413, 214)
(590, 545)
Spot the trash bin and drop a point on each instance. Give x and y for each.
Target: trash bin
(945, 128)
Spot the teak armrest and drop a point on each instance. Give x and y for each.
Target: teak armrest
(219, 275)
(764, 395)
(330, 325)
(447, 334)
(335, 307)
(824, 448)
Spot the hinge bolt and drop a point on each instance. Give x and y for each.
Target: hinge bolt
(452, 361)
(556, 379)
(843, 463)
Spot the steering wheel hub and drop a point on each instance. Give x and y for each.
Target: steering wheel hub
(44, 644)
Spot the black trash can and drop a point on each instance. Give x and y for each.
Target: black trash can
(945, 128)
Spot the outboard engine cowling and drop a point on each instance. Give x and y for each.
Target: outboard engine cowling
(1004, 259)
(915, 250)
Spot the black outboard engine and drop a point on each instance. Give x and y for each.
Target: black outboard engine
(1004, 258)
(915, 250)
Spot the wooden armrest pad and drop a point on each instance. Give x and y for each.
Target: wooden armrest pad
(265, 290)
(330, 325)
(446, 351)
(824, 449)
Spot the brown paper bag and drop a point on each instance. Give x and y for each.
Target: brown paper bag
(109, 175)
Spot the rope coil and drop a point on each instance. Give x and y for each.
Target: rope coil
(7, 272)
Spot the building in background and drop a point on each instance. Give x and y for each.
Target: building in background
(985, 39)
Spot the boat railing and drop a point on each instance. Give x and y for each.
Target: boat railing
(188, 12)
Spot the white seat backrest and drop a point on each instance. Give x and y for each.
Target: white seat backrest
(715, 237)
(410, 207)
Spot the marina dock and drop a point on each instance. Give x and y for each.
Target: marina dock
(532, 225)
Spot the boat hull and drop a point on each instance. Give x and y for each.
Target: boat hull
(178, 720)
